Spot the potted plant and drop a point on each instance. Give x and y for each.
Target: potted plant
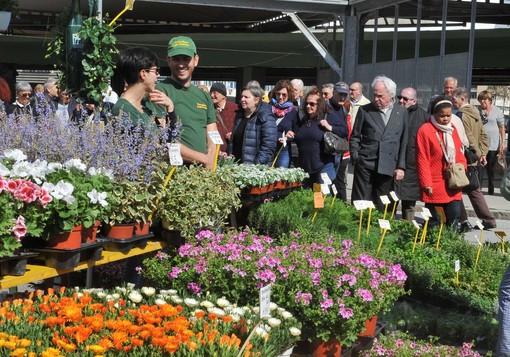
(7, 8)
(194, 198)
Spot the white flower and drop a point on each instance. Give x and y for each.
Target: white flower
(97, 197)
(272, 306)
(75, 163)
(206, 304)
(216, 311)
(261, 331)
(4, 171)
(15, 154)
(176, 299)
(286, 315)
(294, 331)
(256, 310)
(60, 190)
(20, 169)
(54, 166)
(236, 318)
(160, 302)
(222, 302)
(116, 296)
(135, 296)
(238, 311)
(100, 294)
(274, 322)
(130, 286)
(190, 302)
(149, 291)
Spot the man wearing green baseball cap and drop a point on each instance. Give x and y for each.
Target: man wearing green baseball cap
(192, 106)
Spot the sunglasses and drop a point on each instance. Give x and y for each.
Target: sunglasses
(25, 95)
(405, 99)
(312, 104)
(280, 94)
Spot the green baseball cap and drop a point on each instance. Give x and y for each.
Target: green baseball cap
(181, 45)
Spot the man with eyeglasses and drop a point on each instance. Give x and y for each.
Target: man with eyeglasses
(357, 99)
(408, 189)
(23, 104)
(192, 105)
(378, 144)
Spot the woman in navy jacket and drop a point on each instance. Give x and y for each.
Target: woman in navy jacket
(254, 136)
(309, 136)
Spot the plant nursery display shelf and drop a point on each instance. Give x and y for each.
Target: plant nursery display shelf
(39, 272)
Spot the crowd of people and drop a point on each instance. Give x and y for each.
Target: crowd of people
(394, 145)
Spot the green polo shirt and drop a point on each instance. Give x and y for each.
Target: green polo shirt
(147, 117)
(195, 109)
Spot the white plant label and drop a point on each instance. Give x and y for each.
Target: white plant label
(174, 154)
(325, 189)
(457, 266)
(385, 200)
(426, 211)
(215, 137)
(384, 224)
(479, 225)
(370, 204)
(333, 188)
(416, 225)
(265, 301)
(284, 140)
(325, 178)
(424, 215)
(394, 196)
(360, 204)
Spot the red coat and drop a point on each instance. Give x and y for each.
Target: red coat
(431, 165)
(228, 115)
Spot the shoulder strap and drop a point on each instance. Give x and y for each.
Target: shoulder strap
(442, 147)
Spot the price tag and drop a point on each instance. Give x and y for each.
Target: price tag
(500, 234)
(333, 188)
(317, 187)
(394, 196)
(479, 225)
(174, 154)
(360, 204)
(318, 200)
(325, 178)
(284, 140)
(385, 200)
(265, 301)
(440, 212)
(215, 137)
(370, 204)
(325, 189)
(426, 211)
(384, 224)
(416, 225)
(424, 215)
(457, 265)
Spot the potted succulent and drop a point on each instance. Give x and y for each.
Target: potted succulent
(7, 8)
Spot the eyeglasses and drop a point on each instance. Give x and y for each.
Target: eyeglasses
(25, 95)
(281, 94)
(405, 99)
(353, 89)
(324, 94)
(155, 70)
(312, 104)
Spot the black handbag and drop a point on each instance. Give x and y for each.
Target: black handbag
(334, 144)
(472, 175)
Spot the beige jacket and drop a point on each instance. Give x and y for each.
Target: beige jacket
(473, 126)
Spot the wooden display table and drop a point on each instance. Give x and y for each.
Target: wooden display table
(40, 272)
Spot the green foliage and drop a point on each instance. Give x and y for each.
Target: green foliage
(98, 51)
(56, 48)
(194, 198)
(9, 5)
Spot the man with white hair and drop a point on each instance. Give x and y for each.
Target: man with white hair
(298, 86)
(378, 144)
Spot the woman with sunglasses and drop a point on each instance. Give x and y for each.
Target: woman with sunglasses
(309, 136)
(282, 106)
(23, 104)
(139, 68)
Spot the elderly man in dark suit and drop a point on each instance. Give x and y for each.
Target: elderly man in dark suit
(378, 144)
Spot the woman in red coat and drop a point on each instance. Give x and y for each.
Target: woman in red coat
(431, 161)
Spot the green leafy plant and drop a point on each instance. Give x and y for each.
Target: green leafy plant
(194, 198)
(9, 5)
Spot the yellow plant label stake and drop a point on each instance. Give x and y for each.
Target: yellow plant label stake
(385, 226)
(370, 206)
(442, 216)
(360, 206)
(395, 199)
(416, 235)
(501, 235)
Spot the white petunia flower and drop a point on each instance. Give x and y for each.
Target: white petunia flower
(135, 296)
(176, 299)
(21, 169)
(54, 166)
(61, 189)
(216, 311)
(272, 306)
(160, 302)
(101, 294)
(116, 296)
(261, 331)
(236, 318)
(238, 311)
(286, 315)
(15, 154)
(75, 163)
(97, 197)
(4, 171)
(206, 304)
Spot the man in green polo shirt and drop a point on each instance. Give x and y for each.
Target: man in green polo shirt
(191, 105)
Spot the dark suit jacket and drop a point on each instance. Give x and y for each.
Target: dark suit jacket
(378, 147)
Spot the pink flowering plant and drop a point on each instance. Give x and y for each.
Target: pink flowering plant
(405, 345)
(328, 286)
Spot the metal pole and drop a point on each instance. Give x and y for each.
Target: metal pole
(374, 42)
(395, 43)
(469, 72)
(443, 43)
(417, 43)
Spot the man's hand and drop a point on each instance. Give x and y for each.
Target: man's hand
(483, 160)
(399, 174)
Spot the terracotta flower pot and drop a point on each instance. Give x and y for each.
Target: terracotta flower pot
(66, 240)
(120, 231)
(370, 326)
(90, 234)
(329, 348)
(142, 228)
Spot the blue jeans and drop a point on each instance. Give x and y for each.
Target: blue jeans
(284, 157)
(317, 178)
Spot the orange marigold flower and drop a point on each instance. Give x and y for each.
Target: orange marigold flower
(172, 345)
(82, 333)
(137, 342)
(145, 334)
(96, 349)
(119, 337)
(226, 318)
(106, 343)
(200, 314)
(212, 316)
(19, 352)
(162, 341)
